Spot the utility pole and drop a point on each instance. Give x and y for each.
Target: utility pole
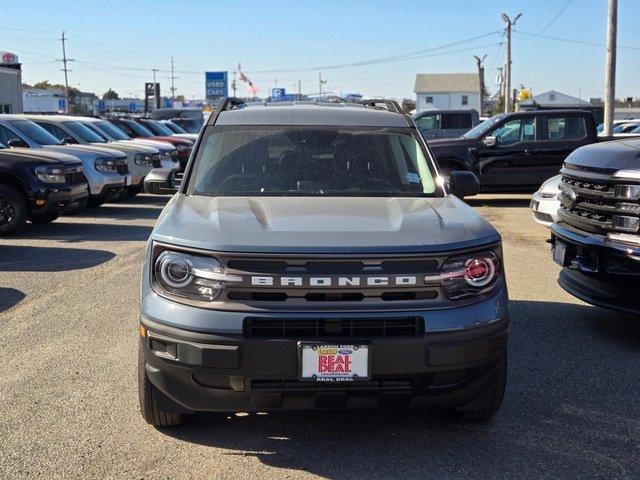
(233, 84)
(173, 79)
(299, 90)
(320, 83)
(66, 71)
(610, 74)
(154, 70)
(480, 64)
(507, 66)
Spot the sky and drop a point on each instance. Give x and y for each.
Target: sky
(374, 48)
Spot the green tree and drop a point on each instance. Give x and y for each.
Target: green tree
(110, 95)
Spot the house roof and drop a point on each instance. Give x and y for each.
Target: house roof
(553, 97)
(446, 82)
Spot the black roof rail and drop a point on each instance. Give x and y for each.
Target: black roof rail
(225, 103)
(390, 105)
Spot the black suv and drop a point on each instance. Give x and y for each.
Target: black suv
(38, 186)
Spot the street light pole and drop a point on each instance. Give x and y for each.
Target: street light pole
(507, 66)
(610, 74)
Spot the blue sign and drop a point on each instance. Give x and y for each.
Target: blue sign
(216, 86)
(132, 106)
(277, 94)
(61, 105)
(102, 106)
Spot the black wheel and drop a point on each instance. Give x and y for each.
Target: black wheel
(485, 407)
(148, 396)
(46, 218)
(96, 201)
(13, 210)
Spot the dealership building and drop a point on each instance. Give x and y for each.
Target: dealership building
(10, 83)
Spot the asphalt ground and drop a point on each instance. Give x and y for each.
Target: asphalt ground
(68, 395)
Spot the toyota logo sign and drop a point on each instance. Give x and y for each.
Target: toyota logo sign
(8, 57)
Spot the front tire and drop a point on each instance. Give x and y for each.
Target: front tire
(13, 210)
(148, 396)
(485, 407)
(46, 218)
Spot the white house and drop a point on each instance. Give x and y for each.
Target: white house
(447, 91)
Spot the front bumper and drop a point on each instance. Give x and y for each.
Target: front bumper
(225, 370)
(58, 199)
(545, 210)
(597, 270)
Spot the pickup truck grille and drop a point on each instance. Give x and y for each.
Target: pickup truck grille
(333, 327)
(598, 202)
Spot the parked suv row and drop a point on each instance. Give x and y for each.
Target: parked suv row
(52, 164)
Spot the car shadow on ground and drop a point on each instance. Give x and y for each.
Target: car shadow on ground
(502, 202)
(71, 232)
(17, 258)
(565, 415)
(120, 212)
(9, 297)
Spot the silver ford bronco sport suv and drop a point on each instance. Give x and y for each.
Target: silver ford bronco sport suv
(314, 258)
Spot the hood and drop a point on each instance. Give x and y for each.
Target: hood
(79, 149)
(188, 136)
(129, 146)
(172, 140)
(614, 155)
(322, 225)
(42, 155)
(162, 146)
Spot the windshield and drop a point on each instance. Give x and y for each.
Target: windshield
(114, 132)
(312, 161)
(35, 132)
(636, 130)
(175, 127)
(85, 134)
(96, 131)
(136, 128)
(484, 127)
(157, 128)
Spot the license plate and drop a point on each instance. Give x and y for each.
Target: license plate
(560, 253)
(333, 363)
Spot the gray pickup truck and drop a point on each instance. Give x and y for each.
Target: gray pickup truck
(314, 258)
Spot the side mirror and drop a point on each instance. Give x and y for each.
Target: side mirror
(69, 141)
(490, 141)
(17, 143)
(160, 181)
(463, 184)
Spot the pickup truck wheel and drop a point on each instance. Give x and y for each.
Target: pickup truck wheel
(485, 407)
(148, 396)
(13, 210)
(82, 204)
(46, 218)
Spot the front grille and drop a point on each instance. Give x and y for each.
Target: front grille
(74, 178)
(596, 207)
(122, 168)
(333, 327)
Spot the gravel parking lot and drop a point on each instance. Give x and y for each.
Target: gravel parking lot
(69, 407)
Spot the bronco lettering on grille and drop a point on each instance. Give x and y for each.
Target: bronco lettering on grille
(335, 281)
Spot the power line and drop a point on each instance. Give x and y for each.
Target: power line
(396, 58)
(553, 20)
(571, 40)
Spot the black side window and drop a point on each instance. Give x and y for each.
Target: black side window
(54, 130)
(6, 135)
(568, 127)
(456, 121)
(126, 129)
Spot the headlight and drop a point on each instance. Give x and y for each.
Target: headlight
(143, 159)
(468, 275)
(48, 174)
(183, 148)
(191, 276)
(105, 164)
